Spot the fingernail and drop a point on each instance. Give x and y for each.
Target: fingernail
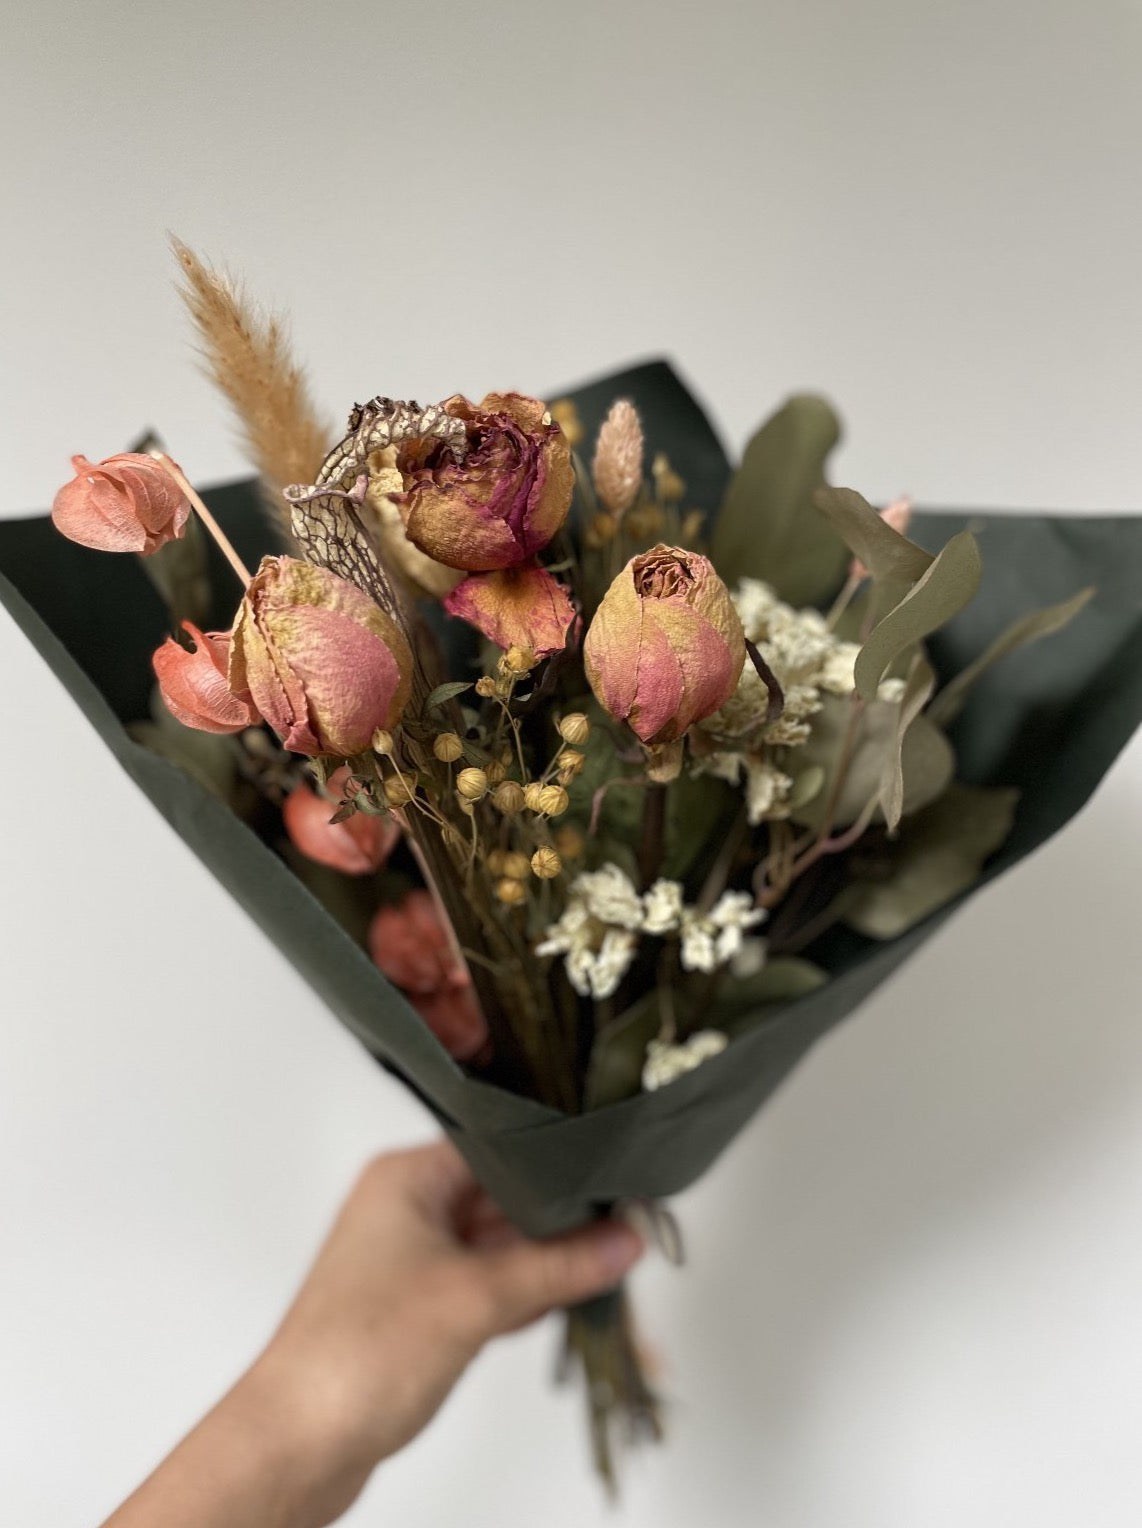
(618, 1246)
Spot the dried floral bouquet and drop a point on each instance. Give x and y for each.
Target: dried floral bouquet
(605, 783)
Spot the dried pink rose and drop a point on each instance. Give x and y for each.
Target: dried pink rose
(128, 503)
(516, 607)
(358, 845)
(195, 687)
(665, 647)
(409, 944)
(504, 501)
(324, 664)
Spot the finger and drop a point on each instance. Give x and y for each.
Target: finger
(528, 1279)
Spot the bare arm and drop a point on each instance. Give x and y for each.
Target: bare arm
(419, 1271)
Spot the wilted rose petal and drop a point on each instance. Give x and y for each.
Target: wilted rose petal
(500, 505)
(195, 687)
(522, 607)
(128, 503)
(356, 846)
(409, 944)
(665, 647)
(325, 666)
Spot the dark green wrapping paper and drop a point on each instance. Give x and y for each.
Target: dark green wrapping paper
(1048, 720)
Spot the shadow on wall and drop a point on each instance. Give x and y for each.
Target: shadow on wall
(1009, 1039)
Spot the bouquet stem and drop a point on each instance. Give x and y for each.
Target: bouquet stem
(600, 1338)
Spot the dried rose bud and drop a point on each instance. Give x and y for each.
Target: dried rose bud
(575, 728)
(194, 685)
(617, 468)
(448, 748)
(472, 784)
(128, 503)
(409, 944)
(508, 798)
(325, 665)
(511, 892)
(666, 647)
(358, 845)
(504, 501)
(546, 864)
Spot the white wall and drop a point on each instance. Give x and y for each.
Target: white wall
(915, 1286)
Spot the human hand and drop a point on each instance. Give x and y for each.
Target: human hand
(418, 1272)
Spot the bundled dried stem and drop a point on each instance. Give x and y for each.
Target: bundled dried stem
(247, 356)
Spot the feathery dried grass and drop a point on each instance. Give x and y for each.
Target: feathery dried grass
(247, 355)
(617, 468)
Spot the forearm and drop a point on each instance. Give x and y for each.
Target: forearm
(250, 1463)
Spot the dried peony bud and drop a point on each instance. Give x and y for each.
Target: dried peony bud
(575, 728)
(511, 892)
(410, 945)
(617, 468)
(358, 845)
(128, 503)
(504, 501)
(666, 647)
(448, 748)
(194, 685)
(472, 784)
(546, 864)
(508, 798)
(524, 609)
(325, 665)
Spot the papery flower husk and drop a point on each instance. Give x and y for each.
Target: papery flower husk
(665, 648)
(381, 515)
(524, 607)
(505, 501)
(195, 687)
(358, 845)
(125, 503)
(324, 664)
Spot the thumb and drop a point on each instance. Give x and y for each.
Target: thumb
(529, 1278)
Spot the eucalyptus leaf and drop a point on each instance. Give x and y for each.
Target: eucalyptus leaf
(614, 1071)
(744, 1002)
(767, 527)
(888, 556)
(943, 591)
(917, 692)
(927, 760)
(443, 693)
(939, 854)
(1028, 628)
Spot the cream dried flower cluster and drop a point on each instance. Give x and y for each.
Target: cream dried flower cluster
(808, 660)
(599, 929)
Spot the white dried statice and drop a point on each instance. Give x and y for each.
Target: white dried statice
(609, 895)
(710, 939)
(662, 907)
(597, 956)
(665, 1062)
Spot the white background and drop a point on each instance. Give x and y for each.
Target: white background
(916, 1284)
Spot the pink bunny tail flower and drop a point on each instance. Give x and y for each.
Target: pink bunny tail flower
(195, 687)
(357, 846)
(325, 666)
(516, 607)
(665, 648)
(409, 944)
(128, 503)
